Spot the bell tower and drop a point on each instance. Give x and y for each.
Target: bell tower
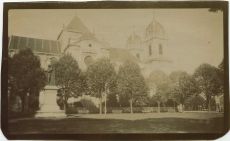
(155, 41)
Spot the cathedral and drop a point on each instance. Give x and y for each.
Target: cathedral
(150, 52)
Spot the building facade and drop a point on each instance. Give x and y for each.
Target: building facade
(150, 52)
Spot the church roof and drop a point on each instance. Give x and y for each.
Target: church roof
(155, 30)
(77, 26)
(121, 55)
(36, 45)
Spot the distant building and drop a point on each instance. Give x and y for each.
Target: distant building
(151, 51)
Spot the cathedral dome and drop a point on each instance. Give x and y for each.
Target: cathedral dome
(155, 30)
(133, 39)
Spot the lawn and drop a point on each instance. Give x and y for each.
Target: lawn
(88, 124)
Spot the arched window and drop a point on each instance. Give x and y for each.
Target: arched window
(150, 50)
(160, 49)
(88, 60)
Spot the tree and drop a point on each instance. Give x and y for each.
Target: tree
(100, 76)
(80, 85)
(26, 77)
(185, 88)
(210, 81)
(131, 83)
(160, 84)
(221, 66)
(67, 76)
(195, 102)
(113, 97)
(175, 77)
(221, 76)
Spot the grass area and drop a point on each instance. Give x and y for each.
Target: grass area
(90, 125)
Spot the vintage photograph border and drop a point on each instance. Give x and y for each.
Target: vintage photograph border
(222, 5)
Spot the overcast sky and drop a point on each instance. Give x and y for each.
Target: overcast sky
(195, 36)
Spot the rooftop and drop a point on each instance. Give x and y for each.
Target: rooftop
(36, 45)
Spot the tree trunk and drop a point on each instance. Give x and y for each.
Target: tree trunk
(182, 108)
(65, 102)
(158, 107)
(131, 105)
(209, 105)
(105, 103)
(174, 105)
(100, 106)
(23, 103)
(24, 99)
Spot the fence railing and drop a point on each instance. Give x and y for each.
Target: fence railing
(83, 110)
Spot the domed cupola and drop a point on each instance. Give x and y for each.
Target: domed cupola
(155, 30)
(133, 41)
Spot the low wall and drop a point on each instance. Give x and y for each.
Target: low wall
(83, 110)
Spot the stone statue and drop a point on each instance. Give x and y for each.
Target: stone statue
(51, 75)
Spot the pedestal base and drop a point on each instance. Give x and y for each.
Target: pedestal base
(48, 104)
(50, 114)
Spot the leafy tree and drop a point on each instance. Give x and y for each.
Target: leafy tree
(100, 77)
(113, 97)
(175, 77)
(221, 66)
(67, 76)
(131, 83)
(194, 102)
(80, 85)
(185, 88)
(221, 76)
(26, 77)
(210, 81)
(160, 85)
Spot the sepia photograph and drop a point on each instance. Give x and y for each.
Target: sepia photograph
(116, 71)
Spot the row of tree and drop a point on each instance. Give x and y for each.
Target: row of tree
(128, 86)
(125, 87)
(100, 80)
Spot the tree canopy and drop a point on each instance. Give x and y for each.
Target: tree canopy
(100, 77)
(210, 81)
(26, 75)
(185, 88)
(159, 85)
(131, 83)
(67, 76)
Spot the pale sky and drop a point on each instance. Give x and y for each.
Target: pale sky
(195, 36)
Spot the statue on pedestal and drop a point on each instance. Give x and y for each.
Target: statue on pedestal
(51, 75)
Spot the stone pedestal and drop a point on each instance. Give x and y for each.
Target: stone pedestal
(48, 105)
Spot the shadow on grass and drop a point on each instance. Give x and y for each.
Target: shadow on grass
(83, 125)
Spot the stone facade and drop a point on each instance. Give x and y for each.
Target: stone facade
(150, 52)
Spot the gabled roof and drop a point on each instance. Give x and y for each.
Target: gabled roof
(76, 25)
(36, 45)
